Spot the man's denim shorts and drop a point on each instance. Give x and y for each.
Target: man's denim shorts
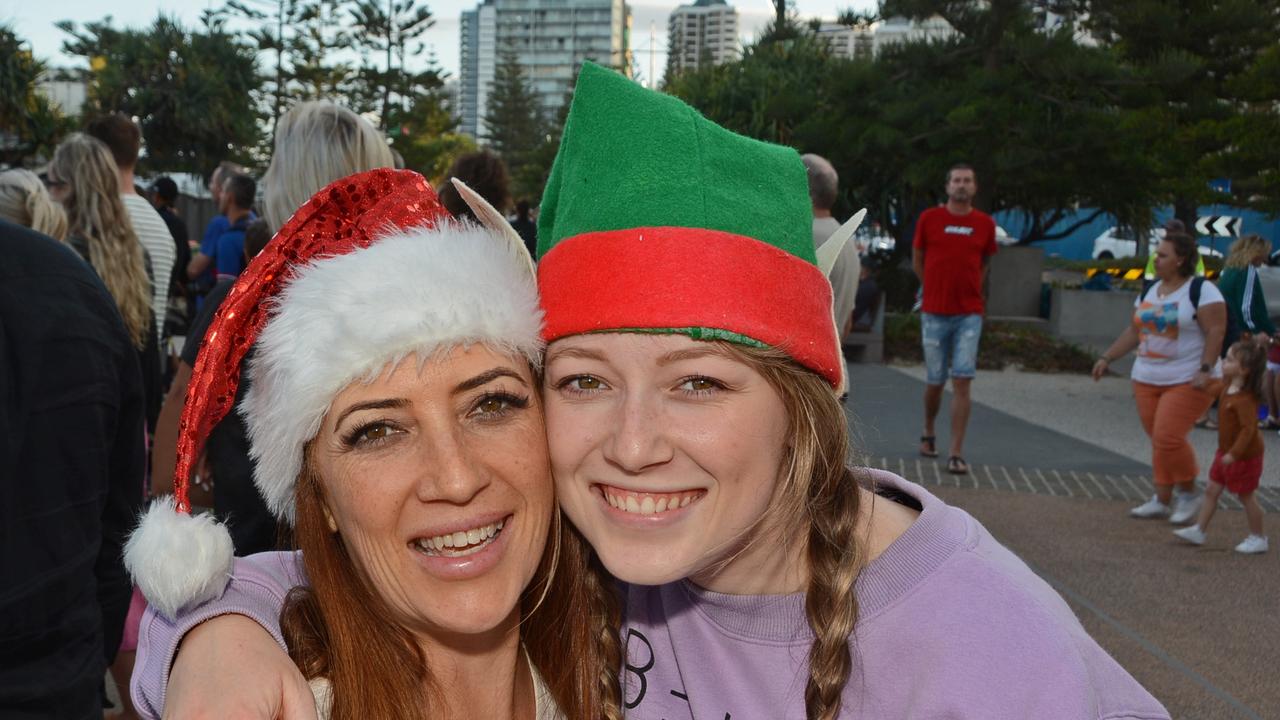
(950, 342)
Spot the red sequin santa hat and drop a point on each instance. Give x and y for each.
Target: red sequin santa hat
(370, 270)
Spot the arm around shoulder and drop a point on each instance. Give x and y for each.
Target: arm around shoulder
(256, 591)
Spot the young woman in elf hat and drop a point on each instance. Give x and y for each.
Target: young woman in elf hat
(395, 425)
(698, 444)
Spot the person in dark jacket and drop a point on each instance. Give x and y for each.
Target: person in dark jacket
(72, 458)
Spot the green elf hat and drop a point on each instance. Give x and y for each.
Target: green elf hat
(657, 220)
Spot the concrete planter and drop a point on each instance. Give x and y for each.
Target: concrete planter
(1014, 286)
(1092, 319)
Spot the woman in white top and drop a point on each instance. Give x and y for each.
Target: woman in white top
(1178, 326)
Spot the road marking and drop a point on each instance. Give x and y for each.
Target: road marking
(1139, 491)
(1101, 490)
(1062, 483)
(1008, 479)
(990, 479)
(1081, 484)
(1046, 482)
(1147, 645)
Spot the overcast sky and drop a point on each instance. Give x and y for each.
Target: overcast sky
(33, 20)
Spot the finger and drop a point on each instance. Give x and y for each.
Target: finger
(297, 701)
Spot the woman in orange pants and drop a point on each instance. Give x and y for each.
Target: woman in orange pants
(1178, 327)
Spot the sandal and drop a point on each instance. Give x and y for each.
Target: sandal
(957, 466)
(929, 446)
(1269, 424)
(1207, 424)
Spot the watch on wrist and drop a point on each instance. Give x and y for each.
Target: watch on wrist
(1204, 367)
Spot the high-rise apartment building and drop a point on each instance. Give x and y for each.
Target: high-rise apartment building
(701, 33)
(550, 39)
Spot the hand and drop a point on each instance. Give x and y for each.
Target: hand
(1227, 459)
(1200, 380)
(229, 667)
(1100, 369)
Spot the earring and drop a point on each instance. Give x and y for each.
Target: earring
(333, 524)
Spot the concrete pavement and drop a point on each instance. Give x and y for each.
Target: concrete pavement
(1198, 627)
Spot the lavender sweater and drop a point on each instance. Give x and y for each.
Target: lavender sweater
(951, 624)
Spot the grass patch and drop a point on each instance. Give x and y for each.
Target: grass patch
(1003, 345)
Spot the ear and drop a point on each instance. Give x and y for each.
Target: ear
(489, 217)
(830, 250)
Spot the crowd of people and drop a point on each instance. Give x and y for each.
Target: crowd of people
(451, 477)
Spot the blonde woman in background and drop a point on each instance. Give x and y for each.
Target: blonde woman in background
(1247, 309)
(317, 142)
(84, 178)
(24, 200)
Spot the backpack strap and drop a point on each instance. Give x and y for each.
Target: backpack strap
(1197, 284)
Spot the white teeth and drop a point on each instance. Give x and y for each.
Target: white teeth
(461, 542)
(648, 504)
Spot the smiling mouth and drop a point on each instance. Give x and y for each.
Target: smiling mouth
(646, 503)
(461, 543)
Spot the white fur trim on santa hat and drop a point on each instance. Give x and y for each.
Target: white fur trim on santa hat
(177, 559)
(344, 318)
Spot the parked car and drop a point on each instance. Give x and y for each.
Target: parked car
(873, 239)
(1118, 242)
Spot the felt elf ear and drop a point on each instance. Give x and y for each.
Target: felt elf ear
(489, 217)
(830, 249)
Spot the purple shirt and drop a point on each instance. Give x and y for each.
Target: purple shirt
(950, 624)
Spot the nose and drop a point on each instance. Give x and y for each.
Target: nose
(449, 469)
(638, 438)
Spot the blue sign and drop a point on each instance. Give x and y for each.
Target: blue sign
(1220, 185)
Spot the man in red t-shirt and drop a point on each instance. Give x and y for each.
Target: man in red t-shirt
(950, 253)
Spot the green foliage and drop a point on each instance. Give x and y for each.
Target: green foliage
(1211, 74)
(516, 129)
(425, 136)
(34, 124)
(192, 90)
(1003, 345)
(1051, 124)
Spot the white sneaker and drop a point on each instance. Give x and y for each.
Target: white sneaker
(1191, 533)
(1152, 508)
(1186, 507)
(1253, 545)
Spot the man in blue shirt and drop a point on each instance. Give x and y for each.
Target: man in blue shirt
(237, 198)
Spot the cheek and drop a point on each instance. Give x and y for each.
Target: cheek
(571, 432)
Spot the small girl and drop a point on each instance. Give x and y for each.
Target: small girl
(1238, 462)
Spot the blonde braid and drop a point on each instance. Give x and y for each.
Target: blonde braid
(831, 605)
(817, 490)
(605, 617)
(96, 213)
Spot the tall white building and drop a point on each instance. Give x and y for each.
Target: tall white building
(551, 39)
(704, 32)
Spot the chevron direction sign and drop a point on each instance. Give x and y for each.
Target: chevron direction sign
(1218, 225)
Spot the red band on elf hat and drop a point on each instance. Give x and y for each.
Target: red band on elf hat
(348, 214)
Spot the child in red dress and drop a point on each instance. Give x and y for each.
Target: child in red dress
(1237, 466)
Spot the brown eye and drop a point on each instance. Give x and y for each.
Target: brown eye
(586, 382)
(700, 384)
(491, 405)
(376, 432)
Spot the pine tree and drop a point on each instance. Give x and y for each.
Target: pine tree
(513, 123)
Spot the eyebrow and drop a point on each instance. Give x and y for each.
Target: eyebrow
(575, 352)
(487, 377)
(371, 405)
(690, 354)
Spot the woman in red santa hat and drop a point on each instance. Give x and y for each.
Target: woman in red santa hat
(395, 425)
